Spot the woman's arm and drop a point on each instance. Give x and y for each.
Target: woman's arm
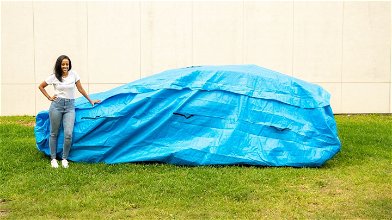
(43, 90)
(83, 92)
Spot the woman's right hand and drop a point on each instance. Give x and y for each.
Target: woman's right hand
(52, 98)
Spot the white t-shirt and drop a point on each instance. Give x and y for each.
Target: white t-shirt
(66, 88)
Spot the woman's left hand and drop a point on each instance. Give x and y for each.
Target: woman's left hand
(95, 101)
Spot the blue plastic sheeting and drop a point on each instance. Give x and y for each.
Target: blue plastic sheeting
(208, 115)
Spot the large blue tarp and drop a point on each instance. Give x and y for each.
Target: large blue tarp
(207, 115)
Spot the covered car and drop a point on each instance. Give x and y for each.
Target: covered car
(204, 115)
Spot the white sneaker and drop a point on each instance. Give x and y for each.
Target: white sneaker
(64, 162)
(54, 163)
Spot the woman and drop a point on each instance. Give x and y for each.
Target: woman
(62, 108)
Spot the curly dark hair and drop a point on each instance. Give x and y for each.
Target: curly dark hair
(58, 72)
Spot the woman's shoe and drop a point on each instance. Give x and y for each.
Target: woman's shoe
(64, 162)
(54, 163)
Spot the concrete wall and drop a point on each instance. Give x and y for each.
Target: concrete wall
(343, 46)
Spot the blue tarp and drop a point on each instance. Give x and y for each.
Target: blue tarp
(207, 115)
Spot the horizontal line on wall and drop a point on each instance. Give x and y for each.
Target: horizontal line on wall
(131, 81)
(82, 83)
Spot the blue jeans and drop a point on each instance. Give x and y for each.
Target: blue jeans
(61, 110)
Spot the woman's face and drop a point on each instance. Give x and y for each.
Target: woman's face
(65, 66)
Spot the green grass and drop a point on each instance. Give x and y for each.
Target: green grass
(356, 183)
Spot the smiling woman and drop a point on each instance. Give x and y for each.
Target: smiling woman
(240, 114)
(62, 109)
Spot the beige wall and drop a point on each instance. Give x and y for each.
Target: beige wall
(343, 46)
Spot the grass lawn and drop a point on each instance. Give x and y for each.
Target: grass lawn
(356, 183)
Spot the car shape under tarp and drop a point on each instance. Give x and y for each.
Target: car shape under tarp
(204, 115)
